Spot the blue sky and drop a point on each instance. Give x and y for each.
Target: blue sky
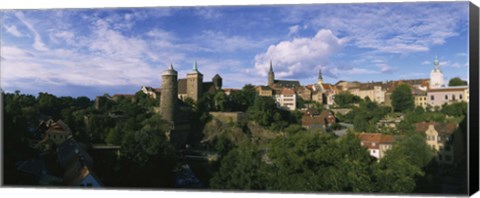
(90, 52)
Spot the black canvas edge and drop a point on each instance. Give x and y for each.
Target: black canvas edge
(473, 122)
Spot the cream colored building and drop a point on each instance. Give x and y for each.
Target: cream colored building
(286, 99)
(440, 137)
(447, 95)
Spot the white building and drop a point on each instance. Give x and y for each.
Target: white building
(436, 76)
(286, 99)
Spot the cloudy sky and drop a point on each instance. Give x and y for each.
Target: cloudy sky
(90, 52)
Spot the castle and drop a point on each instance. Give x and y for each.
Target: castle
(193, 86)
(174, 91)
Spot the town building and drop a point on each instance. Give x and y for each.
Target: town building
(445, 138)
(313, 119)
(286, 99)
(152, 92)
(376, 143)
(193, 86)
(447, 95)
(264, 91)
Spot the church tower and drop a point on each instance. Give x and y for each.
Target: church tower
(320, 77)
(168, 100)
(194, 83)
(271, 75)
(436, 76)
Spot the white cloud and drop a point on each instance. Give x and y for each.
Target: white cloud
(13, 30)
(38, 43)
(220, 42)
(292, 30)
(207, 13)
(300, 55)
(395, 29)
(426, 62)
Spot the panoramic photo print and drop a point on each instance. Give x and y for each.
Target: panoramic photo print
(322, 98)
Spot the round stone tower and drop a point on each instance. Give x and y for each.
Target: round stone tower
(168, 100)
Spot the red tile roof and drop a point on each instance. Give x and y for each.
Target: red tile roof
(373, 140)
(287, 91)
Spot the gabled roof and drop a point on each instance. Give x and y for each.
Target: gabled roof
(373, 140)
(287, 91)
(441, 128)
(209, 87)
(287, 83)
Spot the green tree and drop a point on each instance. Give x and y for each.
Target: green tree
(346, 99)
(239, 169)
(456, 82)
(220, 101)
(402, 98)
(263, 110)
(399, 169)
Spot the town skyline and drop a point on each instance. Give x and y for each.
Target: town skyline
(92, 52)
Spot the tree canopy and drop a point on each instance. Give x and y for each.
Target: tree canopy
(402, 98)
(456, 82)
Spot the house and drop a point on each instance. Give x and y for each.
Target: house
(376, 143)
(420, 97)
(304, 93)
(286, 99)
(77, 165)
(312, 119)
(264, 91)
(445, 138)
(152, 92)
(56, 133)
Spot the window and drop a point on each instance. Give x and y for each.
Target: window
(453, 97)
(432, 97)
(460, 96)
(440, 157)
(439, 139)
(89, 184)
(446, 97)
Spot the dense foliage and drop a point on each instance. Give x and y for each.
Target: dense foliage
(346, 99)
(456, 82)
(402, 98)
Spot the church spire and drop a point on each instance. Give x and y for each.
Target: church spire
(320, 76)
(436, 63)
(271, 75)
(195, 66)
(271, 67)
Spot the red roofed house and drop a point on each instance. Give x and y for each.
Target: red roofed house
(312, 119)
(376, 143)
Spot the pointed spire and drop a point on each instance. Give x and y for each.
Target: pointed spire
(195, 65)
(271, 67)
(171, 66)
(320, 77)
(436, 63)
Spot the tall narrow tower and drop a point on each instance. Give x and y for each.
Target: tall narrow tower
(168, 101)
(194, 83)
(320, 77)
(436, 76)
(271, 75)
